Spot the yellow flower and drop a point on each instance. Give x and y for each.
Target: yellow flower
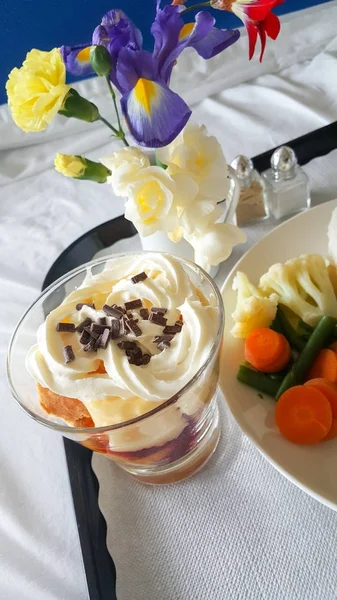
(79, 167)
(37, 90)
(69, 165)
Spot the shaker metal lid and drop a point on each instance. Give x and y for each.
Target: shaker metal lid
(244, 170)
(284, 163)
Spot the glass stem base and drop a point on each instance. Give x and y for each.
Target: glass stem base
(186, 466)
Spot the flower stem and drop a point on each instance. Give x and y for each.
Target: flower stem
(121, 133)
(116, 132)
(194, 6)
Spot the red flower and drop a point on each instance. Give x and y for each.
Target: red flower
(257, 17)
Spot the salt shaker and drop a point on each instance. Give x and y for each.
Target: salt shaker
(289, 190)
(252, 205)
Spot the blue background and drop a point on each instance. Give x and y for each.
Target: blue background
(45, 24)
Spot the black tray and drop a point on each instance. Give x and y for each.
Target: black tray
(99, 566)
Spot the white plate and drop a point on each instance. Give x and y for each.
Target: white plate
(312, 468)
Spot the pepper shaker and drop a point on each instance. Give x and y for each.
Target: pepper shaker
(252, 205)
(289, 190)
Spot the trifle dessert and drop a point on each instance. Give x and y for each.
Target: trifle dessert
(128, 363)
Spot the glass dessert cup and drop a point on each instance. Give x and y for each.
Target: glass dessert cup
(166, 444)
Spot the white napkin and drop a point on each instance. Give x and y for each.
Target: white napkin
(237, 529)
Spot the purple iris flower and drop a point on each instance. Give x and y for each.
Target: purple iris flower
(76, 59)
(172, 36)
(115, 32)
(155, 114)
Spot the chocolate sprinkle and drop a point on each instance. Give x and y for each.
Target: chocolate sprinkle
(163, 345)
(157, 309)
(101, 321)
(97, 343)
(144, 313)
(68, 354)
(130, 316)
(112, 311)
(133, 304)
(135, 352)
(70, 327)
(158, 319)
(93, 334)
(116, 328)
(163, 338)
(135, 358)
(90, 346)
(81, 304)
(140, 277)
(104, 338)
(96, 328)
(172, 329)
(122, 326)
(85, 338)
(179, 324)
(120, 308)
(146, 359)
(86, 323)
(132, 326)
(127, 345)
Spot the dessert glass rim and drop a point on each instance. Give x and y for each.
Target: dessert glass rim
(64, 428)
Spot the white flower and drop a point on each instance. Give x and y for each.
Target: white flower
(154, 197)
(124, 166)
(201, 155)
(181, 200)
(214, 244)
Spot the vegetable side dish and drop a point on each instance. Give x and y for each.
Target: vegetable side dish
(289, 323)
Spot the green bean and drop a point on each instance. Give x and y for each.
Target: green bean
(316, 342)
(276, 325)
(276, 377)
(289, 332)
(258, 380)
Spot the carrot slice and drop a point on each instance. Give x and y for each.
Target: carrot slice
(267, 350)
(328, 389)
(282, 362)
(324, 366)
(330, 392)
(303, 415)
(332, 432)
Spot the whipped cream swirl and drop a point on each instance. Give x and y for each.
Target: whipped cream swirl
(127, 390)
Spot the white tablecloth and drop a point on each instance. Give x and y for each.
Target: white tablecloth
(293, 92)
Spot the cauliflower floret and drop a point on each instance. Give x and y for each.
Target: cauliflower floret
(332, 236)
(303, 285)
(252, 309)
